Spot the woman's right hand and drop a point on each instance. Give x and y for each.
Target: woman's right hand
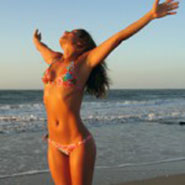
(37, 36)
(48, 54)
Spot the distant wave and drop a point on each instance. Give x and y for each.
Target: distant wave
(21, 106)
(25, 118)
(18, 123)
(124, 165)
(150, 116)
(123, 103)
(99, 104)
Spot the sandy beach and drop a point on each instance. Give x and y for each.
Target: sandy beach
(45, 179)
(170, 173)
(163, 180)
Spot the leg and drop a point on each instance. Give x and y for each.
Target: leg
(59, 166)
(82, 162)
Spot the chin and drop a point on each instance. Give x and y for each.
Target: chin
(62, 41)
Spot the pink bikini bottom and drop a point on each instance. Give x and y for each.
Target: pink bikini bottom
(67, 149)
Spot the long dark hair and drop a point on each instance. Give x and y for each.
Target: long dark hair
(98, 82)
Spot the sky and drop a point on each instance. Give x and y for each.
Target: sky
(153, 58)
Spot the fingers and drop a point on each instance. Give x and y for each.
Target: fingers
(156, 3)
(37, 35)
(173, 6)
(169, 1)
(171, 13)
(35, 32)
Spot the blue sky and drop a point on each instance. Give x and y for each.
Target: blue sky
(152, 58)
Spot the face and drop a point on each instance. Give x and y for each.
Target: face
(73, 37)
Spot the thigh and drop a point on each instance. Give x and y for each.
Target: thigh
(59, 166)
(82, 162)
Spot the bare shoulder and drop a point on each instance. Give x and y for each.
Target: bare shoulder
(51, 56)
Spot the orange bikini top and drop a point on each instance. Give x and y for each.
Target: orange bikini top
(67, 79)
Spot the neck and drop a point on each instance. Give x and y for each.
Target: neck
(70, 55)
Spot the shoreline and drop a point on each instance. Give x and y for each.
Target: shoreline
(161, 180)
(170, 173)
(45, 178)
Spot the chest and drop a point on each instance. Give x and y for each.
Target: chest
(61, 71)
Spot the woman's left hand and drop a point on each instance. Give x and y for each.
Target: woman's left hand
(163, 9)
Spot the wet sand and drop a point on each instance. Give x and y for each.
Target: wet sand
(45, 179)
(169, 173)
(163, 180)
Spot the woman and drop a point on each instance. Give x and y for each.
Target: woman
(71, 147)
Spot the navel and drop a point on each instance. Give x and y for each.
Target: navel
(57, 123)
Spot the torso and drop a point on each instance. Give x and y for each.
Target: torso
(63, 94)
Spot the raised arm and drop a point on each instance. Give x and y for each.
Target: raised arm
(98, 54)
(48, 54)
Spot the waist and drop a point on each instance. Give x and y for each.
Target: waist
(66, 116)
(66, 130)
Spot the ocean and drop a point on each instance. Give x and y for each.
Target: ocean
(130, 128)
